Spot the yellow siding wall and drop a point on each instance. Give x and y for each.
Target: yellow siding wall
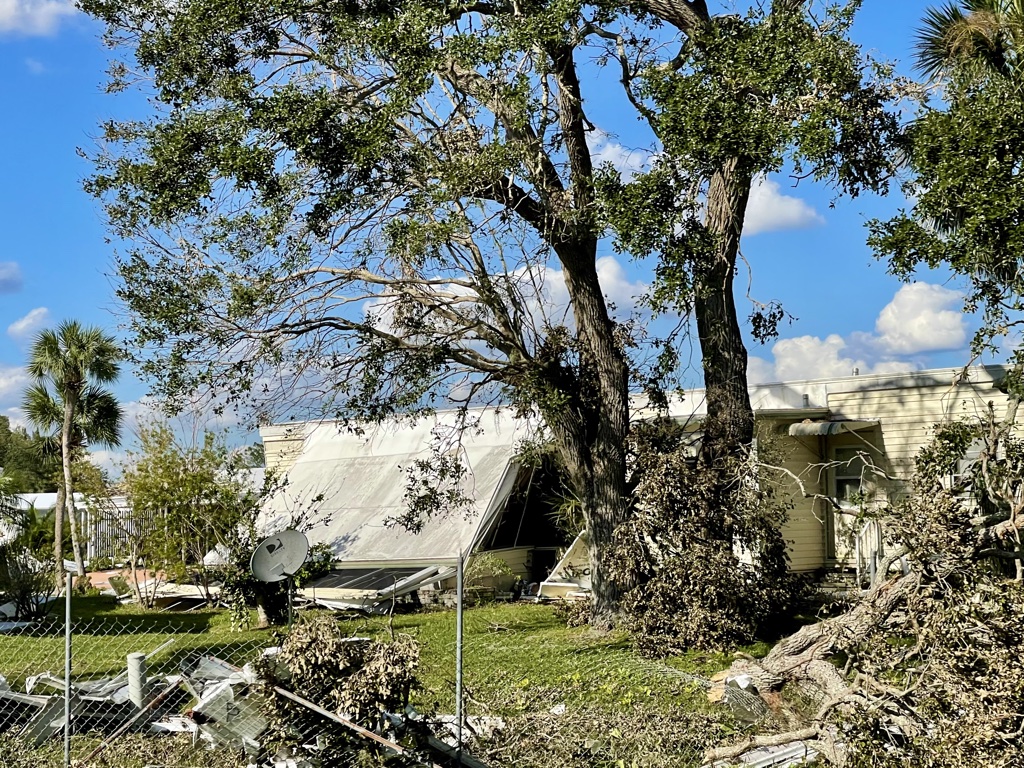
(908, 416)
(805, 530)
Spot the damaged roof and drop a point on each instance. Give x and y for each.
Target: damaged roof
(356, 484)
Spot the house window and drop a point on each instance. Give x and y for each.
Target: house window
(960, 479)
(848, 469)
(848, 472)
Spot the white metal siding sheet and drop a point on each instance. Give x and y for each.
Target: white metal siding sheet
(362, 481)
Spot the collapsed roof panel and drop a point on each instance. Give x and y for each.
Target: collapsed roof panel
(361, 480)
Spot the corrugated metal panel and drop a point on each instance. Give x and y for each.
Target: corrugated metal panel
(362, 481)
(816, 428)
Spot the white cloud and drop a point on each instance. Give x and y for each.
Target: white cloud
(24, 327)
(109, 461)
(35, 66)
(34, 17)
(16, 415)
(760, 371)
(13, 381)
(922, 318)
(628, 162)
(808, 357)
(771, 211)
(136, 414)
(548, 297)
(10, 273)
(545, 294)
(811, 357)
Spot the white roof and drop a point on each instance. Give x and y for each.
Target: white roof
(363, 480)
(42, 501)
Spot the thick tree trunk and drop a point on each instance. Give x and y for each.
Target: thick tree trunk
(729, 426)
(592, 426)
(591, 431)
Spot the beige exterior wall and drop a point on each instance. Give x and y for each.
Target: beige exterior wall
(282, 444)
(908, 410)
(906, 406)
(908, 415)
(805, 530)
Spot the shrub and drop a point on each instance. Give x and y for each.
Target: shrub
(26, 582)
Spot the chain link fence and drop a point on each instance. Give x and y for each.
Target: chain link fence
(152, 689)
(537, 694)
(142, 688)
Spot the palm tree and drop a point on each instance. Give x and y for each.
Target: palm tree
(972, 33)
(67, 399)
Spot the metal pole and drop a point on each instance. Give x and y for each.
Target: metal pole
(290, 583)
(67, 671)
(459, 599)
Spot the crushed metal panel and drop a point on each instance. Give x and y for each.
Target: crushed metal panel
(395, 582)
(795, 753)
(48, 721)
(369, 579)
(824, 428)
(414, 581)
(572, 572)
(362, 480)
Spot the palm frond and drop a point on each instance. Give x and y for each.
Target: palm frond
(972, 33)
(100, 417)
(44, 411)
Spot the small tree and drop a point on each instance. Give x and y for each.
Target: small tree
(24, 460)
(183, 500)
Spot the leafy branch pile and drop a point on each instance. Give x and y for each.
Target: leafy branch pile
(926, 668)
(694, 589)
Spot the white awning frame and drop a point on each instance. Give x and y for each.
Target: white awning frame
(826, 428)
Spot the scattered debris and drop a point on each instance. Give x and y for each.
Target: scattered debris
(223, 713)
(372, 590)
(790, 755)
(738, 694)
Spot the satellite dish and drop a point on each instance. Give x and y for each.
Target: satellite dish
(279, 556)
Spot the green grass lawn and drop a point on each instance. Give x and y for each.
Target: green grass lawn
(516, 655)
(105, 633)
(518, 660)
(515, 658)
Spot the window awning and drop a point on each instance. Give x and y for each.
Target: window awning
(817, 428)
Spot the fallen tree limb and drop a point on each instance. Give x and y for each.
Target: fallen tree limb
(755, 742)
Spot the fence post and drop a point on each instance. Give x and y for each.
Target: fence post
(137, 693)
(459, 599)
(67, 670)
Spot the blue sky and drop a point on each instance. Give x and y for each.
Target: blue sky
(54, 259)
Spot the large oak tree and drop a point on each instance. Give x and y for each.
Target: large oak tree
(364, 204)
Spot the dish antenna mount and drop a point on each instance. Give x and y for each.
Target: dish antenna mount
(280, 557)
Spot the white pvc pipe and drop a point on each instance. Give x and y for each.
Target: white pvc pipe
(137, 679)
